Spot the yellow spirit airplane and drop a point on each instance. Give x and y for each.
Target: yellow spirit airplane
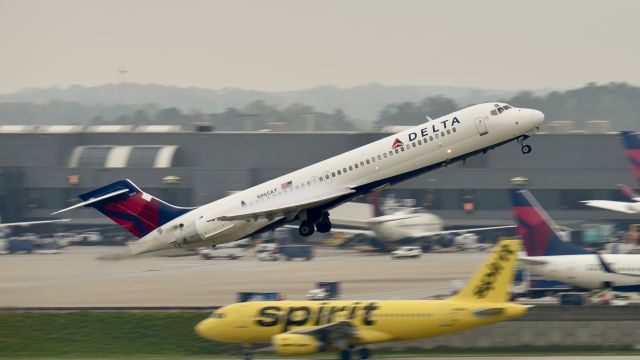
(307, 327)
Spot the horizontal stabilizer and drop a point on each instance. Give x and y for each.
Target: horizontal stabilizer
(619, 206)
(29, 223)
(92, 201)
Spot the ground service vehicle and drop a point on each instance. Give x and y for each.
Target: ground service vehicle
(407, 252)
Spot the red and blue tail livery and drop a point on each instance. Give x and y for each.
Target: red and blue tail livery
(628, 192)
(631, 143)
(537, 229)
(133, 209)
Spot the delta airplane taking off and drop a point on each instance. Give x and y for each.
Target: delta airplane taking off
(307, 327)
(308, 194)
(631, 143)
(554, 259)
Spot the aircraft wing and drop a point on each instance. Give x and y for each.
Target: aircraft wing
(531, 261)
(287, 205)
(29, 223)
(354, 231)
(341, 329)
(460, 231)
(625, 207)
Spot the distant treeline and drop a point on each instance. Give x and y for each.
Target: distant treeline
(617, 102)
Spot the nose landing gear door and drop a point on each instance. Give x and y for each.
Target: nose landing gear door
(481, 125)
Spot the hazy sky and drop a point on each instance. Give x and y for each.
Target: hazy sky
(294, 44)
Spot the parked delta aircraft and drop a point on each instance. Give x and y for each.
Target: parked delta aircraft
(307, 327)
(554, 259)
(308, 194)
(405, 225)
(631, 143)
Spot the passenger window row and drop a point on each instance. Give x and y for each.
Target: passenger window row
(326, 176)
(386, 155)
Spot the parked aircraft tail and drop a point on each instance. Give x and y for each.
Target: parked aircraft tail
(631, 143)
(374, 199)
(493, 280)
(629, 192)
(537, 229)
(131, 208)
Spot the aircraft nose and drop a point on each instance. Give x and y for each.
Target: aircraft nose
(203, 328)
(538, 117)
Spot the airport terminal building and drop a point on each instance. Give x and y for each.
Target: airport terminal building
(44, 169)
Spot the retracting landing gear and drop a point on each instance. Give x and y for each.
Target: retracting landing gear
(364, 353)
(345, 354)
(318, 222)
(306, 228)
(324, 225)
(247, 354)
(525, 148)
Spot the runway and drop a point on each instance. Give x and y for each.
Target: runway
(77, 277)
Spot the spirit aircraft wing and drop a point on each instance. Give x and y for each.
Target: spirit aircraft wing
(287, 205)
(619, 206)
(29, 223)
(342, 329)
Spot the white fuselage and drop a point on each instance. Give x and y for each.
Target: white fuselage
(396, 227)
(585, 270)
(425, 147)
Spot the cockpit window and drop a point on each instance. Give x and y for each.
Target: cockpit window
(500, 109)
(216, 315)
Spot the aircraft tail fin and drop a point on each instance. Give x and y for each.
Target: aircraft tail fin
(537, 229)
(374, 199)
(631, 143)
(131, 208)
(629, 192)
(493, 280)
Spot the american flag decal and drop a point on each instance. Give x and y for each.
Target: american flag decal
(397, 143)
(286, 185)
